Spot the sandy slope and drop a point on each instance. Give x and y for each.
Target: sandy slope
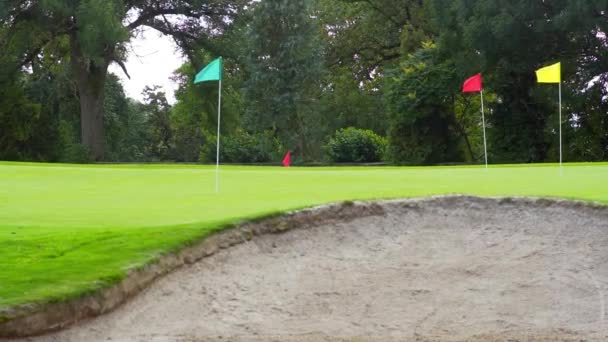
(434, 270)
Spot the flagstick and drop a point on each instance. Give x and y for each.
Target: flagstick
(483, 119)
(560, 125)
(219, 116)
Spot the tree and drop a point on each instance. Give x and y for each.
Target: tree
(364, 39)
(194, 116)
(97, 32)
(284, 67)
(508, 41)
(17, 118)
(158, 117)
(33, 105)
(366, 35)
(421, 103)
(126, 124)
(346, 102)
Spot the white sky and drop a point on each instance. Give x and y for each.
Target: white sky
(152, 60)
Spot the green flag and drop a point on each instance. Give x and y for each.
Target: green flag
(212, 72)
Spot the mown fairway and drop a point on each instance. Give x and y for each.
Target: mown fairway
(66, 230)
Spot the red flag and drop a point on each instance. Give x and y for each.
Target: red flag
(287, 159)
(472, 85)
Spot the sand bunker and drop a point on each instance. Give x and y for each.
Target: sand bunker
(447, 269)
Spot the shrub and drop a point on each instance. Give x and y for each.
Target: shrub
(71, 150)
(76, 153)
(243, 147)
(353, 145)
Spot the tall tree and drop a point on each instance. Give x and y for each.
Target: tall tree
(158, 112)
(421, 103)
(98, 31)
(126, 124)
(368, 35)
(284, 66)
(510, 40)
(34, 104)
(365, 39)
(194, 116)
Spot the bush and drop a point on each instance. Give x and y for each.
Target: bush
(71, 150)
(353, 145)
(76, 153)
(243, 147)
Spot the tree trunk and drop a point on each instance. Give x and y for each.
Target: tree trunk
(90, 80)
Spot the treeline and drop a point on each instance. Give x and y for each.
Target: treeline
(330, 80)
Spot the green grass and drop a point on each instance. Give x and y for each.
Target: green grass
(66, 230)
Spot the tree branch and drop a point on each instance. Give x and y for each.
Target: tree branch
(169, 32)
(379, 10)
(122, 66)
(147, 16)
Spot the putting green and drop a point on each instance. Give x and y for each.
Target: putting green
(66, 230)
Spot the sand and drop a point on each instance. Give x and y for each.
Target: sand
(456, 269)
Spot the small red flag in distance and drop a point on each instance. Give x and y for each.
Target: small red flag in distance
(472, 85)
(287, 159)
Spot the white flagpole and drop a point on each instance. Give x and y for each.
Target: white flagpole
(560, 125)
(483, 119)
(217, 159)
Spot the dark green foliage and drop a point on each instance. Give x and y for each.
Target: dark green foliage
(159, 133)
(300, 70)
(30, 117)
(243, 147)
(187, 142)
(508, 41)
(587, 135)
(70, 150)
(365, 36)
(345, 102)
(18, 115)
(94, 34)
(284, 67)
(420, 99)
(76, 153)
(353, 145)
(126, 126)
(196, 110)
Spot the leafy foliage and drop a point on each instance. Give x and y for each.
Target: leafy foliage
(420, 99)
(243, 147)
(510, 40)
(196, 110)
(303, 70)
(95, 33)
(284, 66)
(352, 145)
(159, 123)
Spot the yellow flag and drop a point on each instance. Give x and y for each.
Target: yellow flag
(550, 74)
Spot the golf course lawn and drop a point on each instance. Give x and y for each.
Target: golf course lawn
(66, 230)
